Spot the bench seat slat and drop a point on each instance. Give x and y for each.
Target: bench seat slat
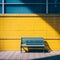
(32, 42)
(41, 46)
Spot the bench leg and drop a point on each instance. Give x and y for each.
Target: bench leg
(43, 50)
(21, 49)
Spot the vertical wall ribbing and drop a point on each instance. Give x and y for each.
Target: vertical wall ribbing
(2, 6)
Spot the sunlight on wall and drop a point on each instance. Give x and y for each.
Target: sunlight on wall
(16, 27)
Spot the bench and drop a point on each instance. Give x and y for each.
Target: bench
(32, 42)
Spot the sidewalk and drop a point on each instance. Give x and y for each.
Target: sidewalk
(27, 56)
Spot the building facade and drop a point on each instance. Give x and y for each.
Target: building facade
(31, 18)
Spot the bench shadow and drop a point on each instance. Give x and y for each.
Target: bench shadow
(47, 47)
(36, 50)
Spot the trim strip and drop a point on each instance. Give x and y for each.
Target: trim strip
(26, 15)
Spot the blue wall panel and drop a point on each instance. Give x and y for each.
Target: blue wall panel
(54, 9)
(17, 9)
(25, 1)
(13, 1)
(54, 1)
(25, 9)
(0, 1)
(0, 9)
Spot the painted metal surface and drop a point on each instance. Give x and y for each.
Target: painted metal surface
(16, 26)
(30, 7)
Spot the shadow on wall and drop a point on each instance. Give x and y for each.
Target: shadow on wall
(53, 21)
(57, 57)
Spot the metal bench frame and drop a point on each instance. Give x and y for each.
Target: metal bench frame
(24, 39)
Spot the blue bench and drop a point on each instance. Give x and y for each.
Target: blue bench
(32, 42)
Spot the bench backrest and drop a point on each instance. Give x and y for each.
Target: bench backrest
(32, 40)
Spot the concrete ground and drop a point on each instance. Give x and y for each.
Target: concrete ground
(17, 55)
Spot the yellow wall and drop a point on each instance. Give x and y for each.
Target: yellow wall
(16, 26)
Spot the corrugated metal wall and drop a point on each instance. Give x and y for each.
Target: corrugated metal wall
(15, 26)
